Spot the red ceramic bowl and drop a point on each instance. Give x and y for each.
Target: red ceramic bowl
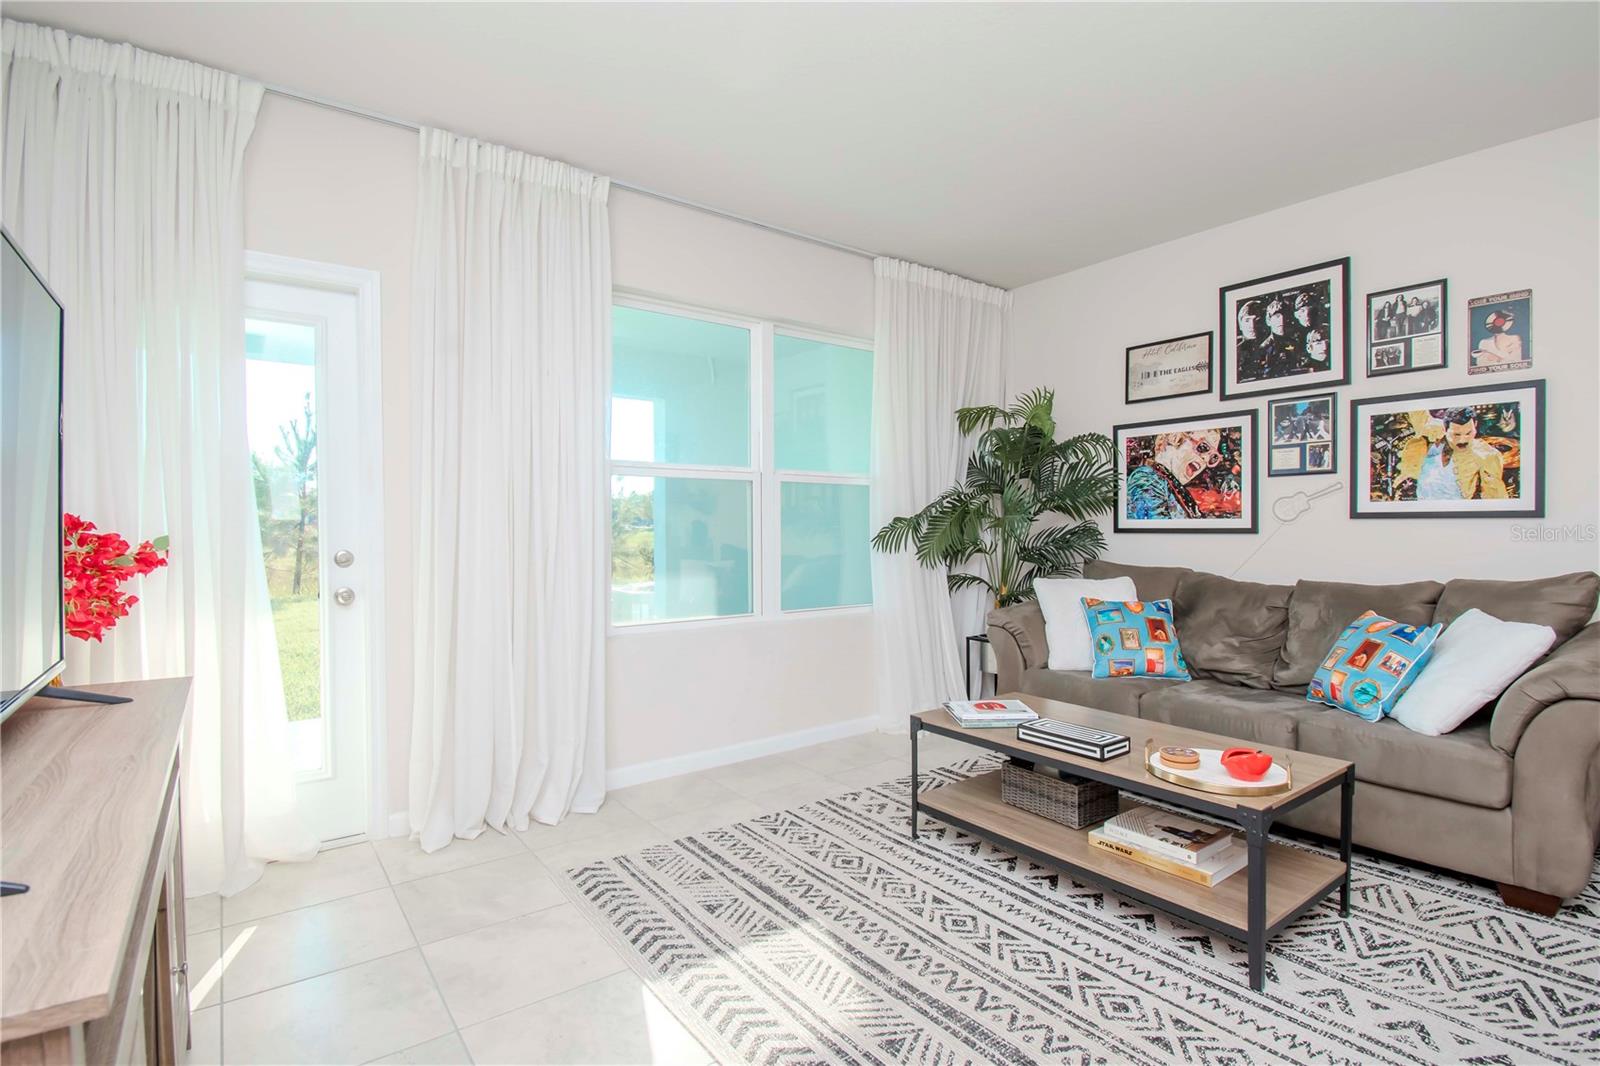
(1246, 764)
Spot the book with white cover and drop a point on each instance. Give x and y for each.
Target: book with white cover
(1161, 832)
(990, 712)
(1211, 870)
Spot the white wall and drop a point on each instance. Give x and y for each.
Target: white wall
(335, 188)
(1522, 215)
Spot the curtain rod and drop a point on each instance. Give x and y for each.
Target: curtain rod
(390, 120)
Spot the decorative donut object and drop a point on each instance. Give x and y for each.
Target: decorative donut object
(1246, 764)
(1179, 758)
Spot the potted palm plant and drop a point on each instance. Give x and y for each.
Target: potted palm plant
(1018, 474)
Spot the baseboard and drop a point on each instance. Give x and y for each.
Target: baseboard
(656, 769)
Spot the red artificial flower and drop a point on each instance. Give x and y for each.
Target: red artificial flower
(94, 568)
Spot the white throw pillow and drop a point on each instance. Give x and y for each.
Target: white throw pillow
(1474, 660)
(1065, 628)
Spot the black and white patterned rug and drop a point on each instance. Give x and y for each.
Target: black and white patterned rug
(822, 934)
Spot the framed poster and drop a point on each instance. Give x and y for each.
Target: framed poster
(1187, 475)
(1474, 452)
(1302, 435)
(1406, 329)
(1501, 328)
(1286, 332)
(1162, 370)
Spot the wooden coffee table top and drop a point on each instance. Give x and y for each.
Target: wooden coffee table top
(1308, 771)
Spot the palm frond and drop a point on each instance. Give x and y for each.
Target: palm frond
(957, 582)
(1016, 473)
(971, 419)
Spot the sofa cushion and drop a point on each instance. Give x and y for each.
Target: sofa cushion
(1319, 611)
(1564, 603)
(1371, 664)
(1134, 638)
(1257, 715)
(1120, 695)
(1066, 630)
(1153, 582)
(1232, 630)
(1460, 766)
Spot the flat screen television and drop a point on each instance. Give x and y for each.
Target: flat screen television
(32, 625)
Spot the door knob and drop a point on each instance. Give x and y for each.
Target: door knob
(343, 557)
(345, 596)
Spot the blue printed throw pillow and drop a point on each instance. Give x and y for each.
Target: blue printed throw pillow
(1371, 665)
(1134, 638)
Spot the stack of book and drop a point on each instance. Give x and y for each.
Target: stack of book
(989, 714)
(1195, 851)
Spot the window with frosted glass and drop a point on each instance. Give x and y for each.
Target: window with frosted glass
(680, 548)
(826, 545)
(680, 390)
(822, 406)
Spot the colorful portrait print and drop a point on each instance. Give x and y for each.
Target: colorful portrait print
(1157, 628)
(1475, 452)
(1187, 475)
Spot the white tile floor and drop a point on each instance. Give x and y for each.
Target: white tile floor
(379, 953)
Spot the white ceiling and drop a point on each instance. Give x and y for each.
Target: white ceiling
(1003, 142)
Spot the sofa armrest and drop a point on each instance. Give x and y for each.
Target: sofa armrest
(1555, 799)
(1571, 672)
(1017, 635)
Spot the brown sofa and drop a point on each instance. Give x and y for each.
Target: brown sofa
(1513, 795)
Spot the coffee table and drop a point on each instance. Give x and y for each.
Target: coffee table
(1281, 882)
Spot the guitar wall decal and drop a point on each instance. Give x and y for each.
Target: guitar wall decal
(1288, 508)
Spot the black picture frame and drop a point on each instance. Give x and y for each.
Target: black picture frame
(1338, 271)
(1304, 469)
(1407, 342)
(1360, 466)
(1211, 368)
(1249, 484)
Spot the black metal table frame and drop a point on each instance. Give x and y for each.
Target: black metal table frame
(1256, 825)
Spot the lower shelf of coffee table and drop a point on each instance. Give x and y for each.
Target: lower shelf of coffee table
(1295, 877)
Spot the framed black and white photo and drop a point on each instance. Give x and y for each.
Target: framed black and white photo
(1187, 475)
(1406, 329)
(1475, 452)
(1286, 332)
(1302, 435)
(1162, 370)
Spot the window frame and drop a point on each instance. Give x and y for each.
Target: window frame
(765, 480)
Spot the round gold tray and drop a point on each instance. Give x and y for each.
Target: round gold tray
(1230, 787)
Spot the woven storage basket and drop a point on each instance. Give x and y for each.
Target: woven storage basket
(1075, 802)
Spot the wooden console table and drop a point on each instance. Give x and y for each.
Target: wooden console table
(92, 961)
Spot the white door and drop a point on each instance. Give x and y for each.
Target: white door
(315, 502)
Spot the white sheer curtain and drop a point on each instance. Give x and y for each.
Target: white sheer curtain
(940, 344)
(123, 182)
(511, 313)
